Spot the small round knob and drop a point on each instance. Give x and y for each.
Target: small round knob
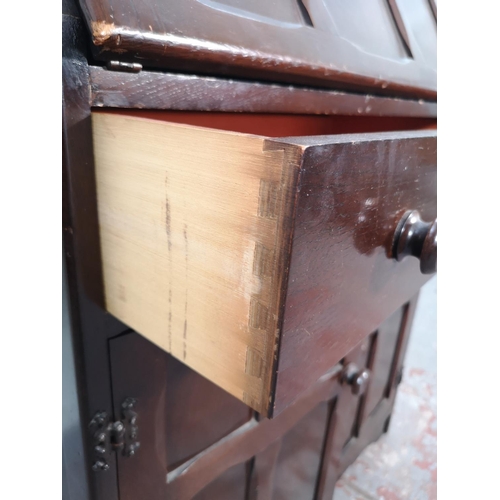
(415, 237)
(356, 378)
(100, 465)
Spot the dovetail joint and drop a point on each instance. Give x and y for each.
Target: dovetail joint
(263, 261)
(251, 401)
(254, 363)
(268, 199)
(259, 314)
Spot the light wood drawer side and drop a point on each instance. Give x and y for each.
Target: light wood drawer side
(192, 229)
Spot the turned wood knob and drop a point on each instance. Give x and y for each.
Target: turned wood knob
(415, 237)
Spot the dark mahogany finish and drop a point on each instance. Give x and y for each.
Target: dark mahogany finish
(179, 413)
(196, 441)
(190, 449)
(147, 89)
(91, 326)
(343, 281)
(378, 46)
(415, 237)
(359, 420)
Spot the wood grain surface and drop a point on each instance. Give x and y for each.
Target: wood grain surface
(191, 92)
(343, 280)
(365, 46)
(192, 225)
(258, 262)
(198, 440)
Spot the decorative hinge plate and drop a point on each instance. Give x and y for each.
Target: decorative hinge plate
(119, 436)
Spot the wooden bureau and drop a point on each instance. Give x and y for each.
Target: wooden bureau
(243, 258)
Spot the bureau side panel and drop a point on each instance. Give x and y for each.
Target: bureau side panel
(190, 225)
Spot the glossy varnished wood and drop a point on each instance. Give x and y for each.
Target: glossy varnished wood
(417, 238)
(231, 484)
(192, 432)
(226, 452)
(345, 442)
(198, 442)
(91, 326)
(263, 471)
(366, 46)
(298, 463)
(173, 91)
(179, 412)
(343, 281)
(280, 265)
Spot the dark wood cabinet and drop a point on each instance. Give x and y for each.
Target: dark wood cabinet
(197, 440)
(379, 46)
(260, 292)
(346, 94)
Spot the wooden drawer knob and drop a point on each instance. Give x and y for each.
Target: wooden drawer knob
(415, 237)
(357, 378)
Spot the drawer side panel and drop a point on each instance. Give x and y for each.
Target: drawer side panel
(190, 225)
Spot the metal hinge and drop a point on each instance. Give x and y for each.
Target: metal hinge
(124, 66)
(109, 437)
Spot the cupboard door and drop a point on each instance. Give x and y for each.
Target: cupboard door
(360, 419)
(198, 442)
(180, 414)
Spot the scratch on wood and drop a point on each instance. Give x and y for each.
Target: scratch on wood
(170, 318)
(167, 216)
(184, 336)
(102, 31)
(169, 244)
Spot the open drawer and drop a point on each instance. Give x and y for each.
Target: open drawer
(260, 262)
